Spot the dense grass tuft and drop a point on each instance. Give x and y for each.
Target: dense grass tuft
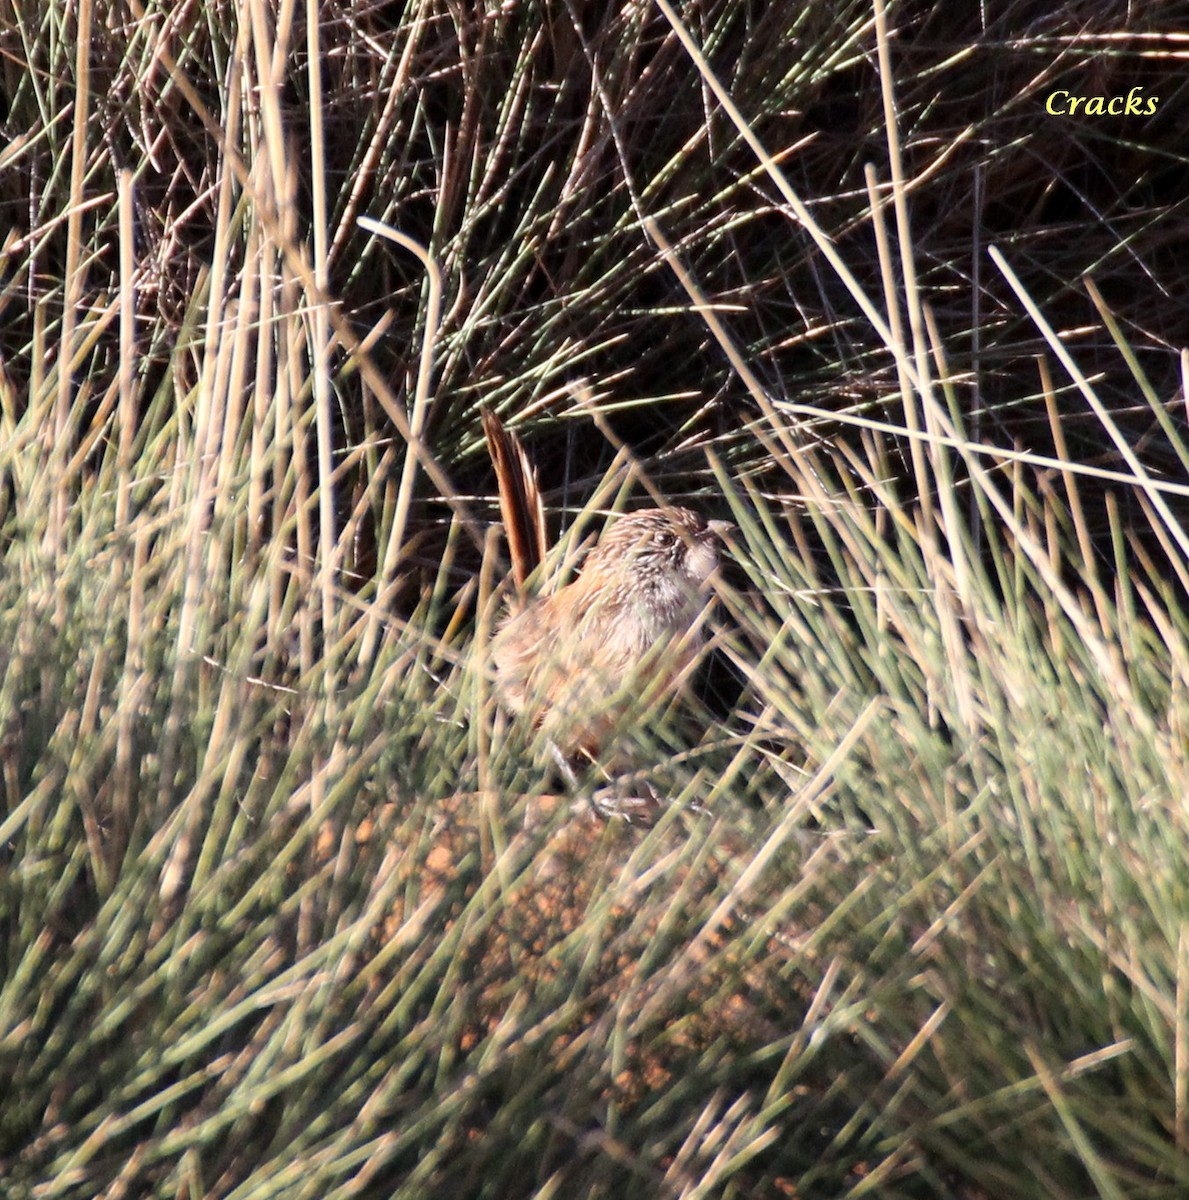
(285, 909)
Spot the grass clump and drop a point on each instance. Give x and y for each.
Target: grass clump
(280, 916)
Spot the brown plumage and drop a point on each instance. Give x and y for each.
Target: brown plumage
(626, 630)
(521, 508)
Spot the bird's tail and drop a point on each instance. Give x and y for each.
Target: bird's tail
(521, 508)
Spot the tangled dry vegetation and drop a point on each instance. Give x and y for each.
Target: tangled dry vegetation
(279, 915)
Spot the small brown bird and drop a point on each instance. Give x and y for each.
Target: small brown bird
(626, 631)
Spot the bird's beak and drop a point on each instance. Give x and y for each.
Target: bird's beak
(721, 528)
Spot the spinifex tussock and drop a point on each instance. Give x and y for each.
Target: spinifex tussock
(279, 917)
